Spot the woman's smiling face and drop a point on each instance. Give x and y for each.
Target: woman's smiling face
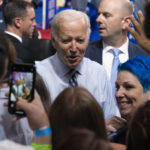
(129, 93)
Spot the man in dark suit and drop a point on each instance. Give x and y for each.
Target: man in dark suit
(113, 19)
(19, 17)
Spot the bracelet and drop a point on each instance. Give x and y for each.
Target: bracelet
(43, 132)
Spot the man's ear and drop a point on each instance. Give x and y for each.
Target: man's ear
(126, 22)
(53, 41)
(18, 22)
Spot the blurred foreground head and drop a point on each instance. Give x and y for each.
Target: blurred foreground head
(82, 139)
(76, 108)
(139, 129)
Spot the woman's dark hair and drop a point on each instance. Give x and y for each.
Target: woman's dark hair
(5, 53)
(77, 108)
(82, 139)
(43, 92)
(138, 137)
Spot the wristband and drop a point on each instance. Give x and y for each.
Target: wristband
(43, 132)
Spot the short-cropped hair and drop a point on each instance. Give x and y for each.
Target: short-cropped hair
(15, 9)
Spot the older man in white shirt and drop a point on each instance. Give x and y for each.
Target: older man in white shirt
(70, 36)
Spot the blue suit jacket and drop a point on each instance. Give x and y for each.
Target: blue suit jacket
(94, 51)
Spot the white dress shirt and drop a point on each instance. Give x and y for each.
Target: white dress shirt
(107, 56)
(91, 75)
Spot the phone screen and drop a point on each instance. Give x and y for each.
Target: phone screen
(21, 86)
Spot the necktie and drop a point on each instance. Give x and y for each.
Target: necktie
(114, 69)
(73, 79)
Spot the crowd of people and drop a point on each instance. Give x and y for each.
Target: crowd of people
(88, 95)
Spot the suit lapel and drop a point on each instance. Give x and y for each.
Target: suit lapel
(131, 51)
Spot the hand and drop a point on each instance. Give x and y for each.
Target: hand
(36, 115)
(114, 123)
(35, 112)
(147, 1)
(139, 34)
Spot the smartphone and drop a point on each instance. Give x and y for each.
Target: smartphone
(22, 81)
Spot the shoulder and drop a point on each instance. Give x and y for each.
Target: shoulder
(92, 65)
(44, 64)
(12, 38)
(94, 51)
(134, 50)
(97, 43)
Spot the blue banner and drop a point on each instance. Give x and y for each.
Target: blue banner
(49, 11)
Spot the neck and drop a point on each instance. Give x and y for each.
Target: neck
(116, 41)
(14, 30)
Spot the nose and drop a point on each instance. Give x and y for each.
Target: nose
(34, 22)
(119, 93)
(73, 46)
(99, 18)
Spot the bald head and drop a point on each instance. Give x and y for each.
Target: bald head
(125, 6)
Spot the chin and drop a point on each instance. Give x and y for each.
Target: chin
(72, 66)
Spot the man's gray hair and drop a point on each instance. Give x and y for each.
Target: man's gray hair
(69, 15)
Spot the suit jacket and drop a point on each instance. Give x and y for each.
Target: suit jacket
(23, 54)
(95, 48)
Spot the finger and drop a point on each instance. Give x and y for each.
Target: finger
(147, 1)
(137, 25)
(121, 119)
(6, 104)
(22, 105)
(134, 21)
(133, 32)
(111, 128)
(141, 17)
(7, 94)
(16, 118)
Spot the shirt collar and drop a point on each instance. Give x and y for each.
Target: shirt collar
(15, 35)
(62, 69)
(123, 48)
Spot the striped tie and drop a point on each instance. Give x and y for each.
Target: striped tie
(73, 79)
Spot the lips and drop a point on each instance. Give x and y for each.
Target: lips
(124, 105)
(102, 28)
(72, 58)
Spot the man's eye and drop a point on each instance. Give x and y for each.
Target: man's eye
(65, 41)
(80, 40)
(107, 15)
